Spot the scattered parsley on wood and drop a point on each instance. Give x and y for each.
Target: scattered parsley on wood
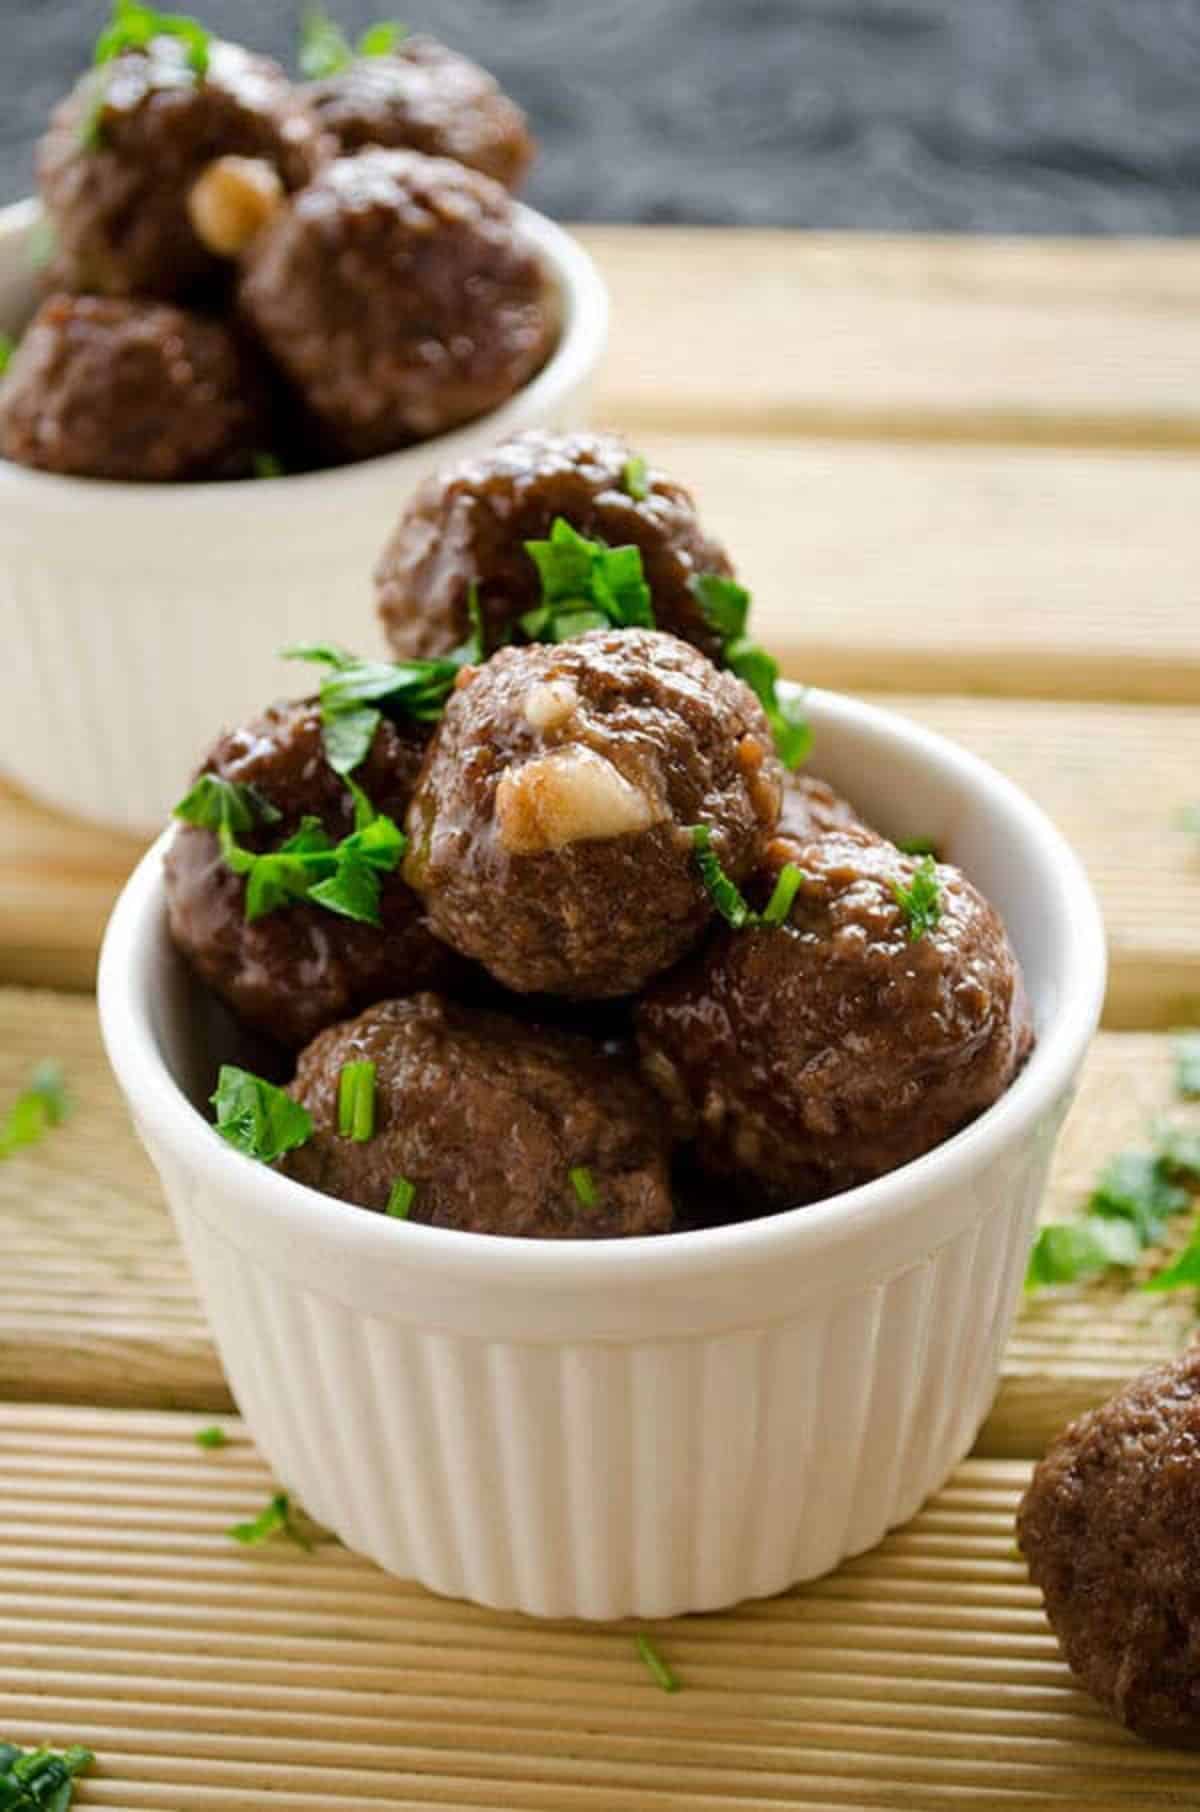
(1136, 1195)
(585, 585)
(1188, 818)
(42, 1104)
(277, 1518)
(39, 1780)
(211, 1438)
(325, 50)
(256, 1118)
(726, 608)
(661, 1673)
(400, 1198)
(356, 1102)
(633, 478)
(134, 26)
(727, 896)
(1186, 1050)
(921, 900)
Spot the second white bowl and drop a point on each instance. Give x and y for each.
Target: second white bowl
(138, 620)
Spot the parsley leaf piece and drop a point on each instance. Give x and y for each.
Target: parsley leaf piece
(355, 694)
(724, 893)
(662, 1674)
(380, 39)
(325, 49)
(1066, 1252)
(725, 603)
(7, 347)
(211, 1438)
(584, 1185)
(917, 846)
(267, 465)
(216, 804)
(1188, 818)
(726, 608)
(786, 887)
(133, 26)
(43, 1103)
(1186, 1050)
(1136, 1187)
(256, 1118)
(310, 867)
(38, 1780)
(633, 478)
(363, 858)
(921, 900)
(275, 1519)
(585, 585)
(356, 1102)
(1183, 1272)
(400, 1198)
(1179, 1153)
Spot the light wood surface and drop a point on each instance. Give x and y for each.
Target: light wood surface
(208, 1678)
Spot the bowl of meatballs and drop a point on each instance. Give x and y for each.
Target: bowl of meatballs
(231, 277)
(604, 1092)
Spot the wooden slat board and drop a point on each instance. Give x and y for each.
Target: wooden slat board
(97, 1305)
(209, 1679)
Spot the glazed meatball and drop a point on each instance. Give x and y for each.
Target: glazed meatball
(1110, 1528)
(300, 968)
(102, 387)
(124, 150)
(813, 1056)
(422, 96)
(811, 808)
(467, 526)
(549, 831)
(487, 1118)
(396, 293)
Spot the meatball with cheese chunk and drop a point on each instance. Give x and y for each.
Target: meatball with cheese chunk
(550, 830)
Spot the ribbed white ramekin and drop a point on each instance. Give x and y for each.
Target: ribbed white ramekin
(138, 619)
(648, 1426)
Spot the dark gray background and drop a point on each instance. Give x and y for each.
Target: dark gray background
(1025, 116)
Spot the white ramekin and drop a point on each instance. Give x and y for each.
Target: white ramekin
(645, 1426)
(138, 619)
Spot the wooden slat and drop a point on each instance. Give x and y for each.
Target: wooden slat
(909, 337)
(1113, 777)
(97, 1305)
(209, 1679)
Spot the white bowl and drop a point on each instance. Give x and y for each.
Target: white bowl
(644, 1426)
(137, 619)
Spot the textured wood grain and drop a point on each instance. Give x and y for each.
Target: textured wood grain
(909, 338)
(97, 1305)
(209, 1679)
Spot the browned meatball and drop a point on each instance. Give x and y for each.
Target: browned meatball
(1110, 1527)
(469, 524)
(106, 388)
(124, 149)
(300, 968)
(811, 808)
(549, 831)
(814, 1056)
(397, 295)
(487, 1118)
(422, 96)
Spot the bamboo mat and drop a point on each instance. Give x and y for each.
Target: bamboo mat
(212, 1679)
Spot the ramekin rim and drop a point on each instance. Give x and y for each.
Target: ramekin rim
(143, 1073)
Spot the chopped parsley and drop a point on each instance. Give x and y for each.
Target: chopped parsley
(7, 347)
(584, 1185)
(917, 846)
(1188, 818)
(310, 868)
(401, 1196)
(585, 585)
(1187, 1065)
(267, 465)
(134, 26)
(325, 50)
(211, 1438)
(633, 478)
(1134, 1197)
(39, 1780)
(43, 1103)
(356, 1102)
(356, 694)
(662, 1674)
(726, 608)
(256, 1118)
(216, 804)
(728, 898)
(276, 1518)
(921, 900)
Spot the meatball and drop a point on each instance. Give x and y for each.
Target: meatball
(498, 1126)
(813, 1056)
(117, 167)
(102, 387)
(549, 830)
(397, 295)
(467, 526)
(1110, 1527)
(301, 967)
(424, 97)
(811, 808)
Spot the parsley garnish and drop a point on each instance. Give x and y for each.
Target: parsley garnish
(42, 1104)
(921, 900)
(585, 585)
(211, 1438)
(1188, 818)
(356, 1102)
(7, 347)
(633, 478)
(216, 804)
(356, 694)
(325, 50)
(38, 1780)
(267, 465)
(400, 1198)
(1134, 1196)
(134, 26)
(311, 868)
(728, 898)
(1187, 1065)
(726, 608)
(917, 846)
(584, 1185)
(256, 1118)
(663, 1675)
(275, 1519)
